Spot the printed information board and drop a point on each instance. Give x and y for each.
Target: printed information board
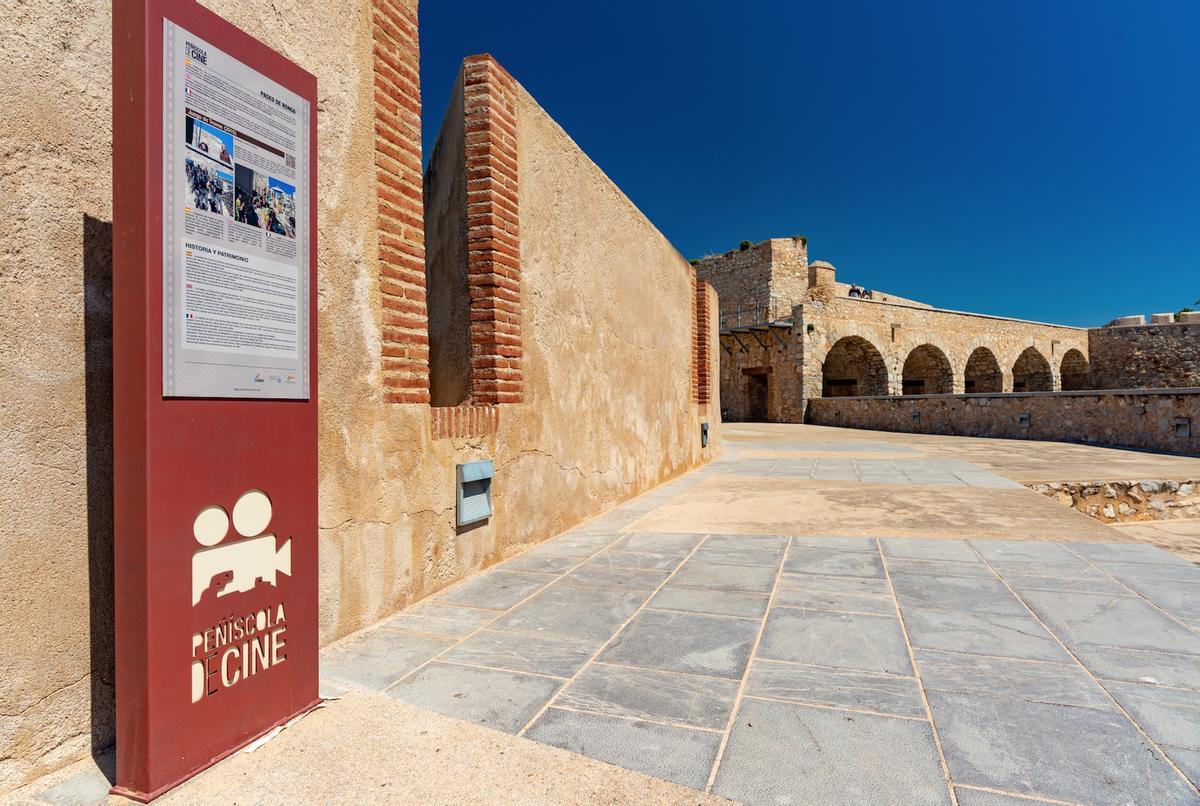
(236, 248)
(215, 381)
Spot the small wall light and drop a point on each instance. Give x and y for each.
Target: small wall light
(1025, 419)
(1183, 427)
(474, 491)
(916, 416)
(703, 435)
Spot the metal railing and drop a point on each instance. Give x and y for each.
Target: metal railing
(760, 313)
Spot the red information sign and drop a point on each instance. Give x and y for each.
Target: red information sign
(214, 173)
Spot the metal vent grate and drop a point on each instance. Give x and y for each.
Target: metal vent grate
(474, 491)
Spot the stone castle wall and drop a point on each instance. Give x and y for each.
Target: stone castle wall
(1162, 356)
(761, 363)
(759, 283)
(895, 331)
(1156, 421)
(875, 342)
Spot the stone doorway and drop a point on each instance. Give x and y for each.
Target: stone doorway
(756, 397)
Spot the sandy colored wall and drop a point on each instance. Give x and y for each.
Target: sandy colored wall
(605, 298)
(1146, 421)
(607, 315)
(55, 368)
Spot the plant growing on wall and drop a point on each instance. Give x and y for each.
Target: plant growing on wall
(745, 245)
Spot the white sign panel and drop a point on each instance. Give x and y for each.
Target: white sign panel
(235, 228)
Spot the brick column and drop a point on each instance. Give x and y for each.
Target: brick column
(493, 232)
(700, 347)
(398, 190)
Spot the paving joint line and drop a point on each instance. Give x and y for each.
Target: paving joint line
(831, 610)
(1135, 592)
(1116, 703)
(912, 659)
(843, 669)
(619, 534)
(486, 667)
(634, 668)
(699, 613)
(1020, 795)
(824, 706)
(737, 700)
(630, 718)
(611, 638)
(499, 615)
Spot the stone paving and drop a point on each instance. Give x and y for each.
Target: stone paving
(951, 472)
(787, 666)
(787, 669)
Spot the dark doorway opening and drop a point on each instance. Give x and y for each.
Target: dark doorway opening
(756, 397)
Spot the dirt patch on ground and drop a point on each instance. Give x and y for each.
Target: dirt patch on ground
(757, 505)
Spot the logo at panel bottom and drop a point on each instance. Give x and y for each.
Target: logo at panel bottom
(243, 644)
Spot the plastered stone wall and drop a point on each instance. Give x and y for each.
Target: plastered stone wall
(1166, 421)
(1146, 357)
(604, 297)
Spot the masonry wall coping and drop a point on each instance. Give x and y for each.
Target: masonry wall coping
(960, 313)
(1183, 390)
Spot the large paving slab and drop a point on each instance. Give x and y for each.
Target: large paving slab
(672, 753)
(787, 753)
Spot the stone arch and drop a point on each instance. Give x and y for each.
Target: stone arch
(1032, 373)
(982, 373)
(927, 371)
(852, 367)
(1074, 371)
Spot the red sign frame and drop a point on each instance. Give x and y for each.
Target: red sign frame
(175, 457)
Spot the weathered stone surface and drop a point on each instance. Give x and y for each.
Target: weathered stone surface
(885, 693)
(524, 652)
(685, 699)
(1143, 420)
(1033, 748)
(497, 699)
(677, 754)
(781, 753)
(692, 643)
(839, 640)
(1161, 355)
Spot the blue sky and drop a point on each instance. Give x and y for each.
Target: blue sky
(1037, 158)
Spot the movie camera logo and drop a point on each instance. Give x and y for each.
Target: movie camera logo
(242, 645)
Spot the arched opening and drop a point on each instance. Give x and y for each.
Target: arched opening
(853, 367)
(982, 374)
(927, 371)
(1074, 371)
(1031, 372)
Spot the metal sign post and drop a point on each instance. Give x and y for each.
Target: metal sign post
(215, 432)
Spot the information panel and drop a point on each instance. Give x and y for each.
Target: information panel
(236, 247)
(215, 381)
